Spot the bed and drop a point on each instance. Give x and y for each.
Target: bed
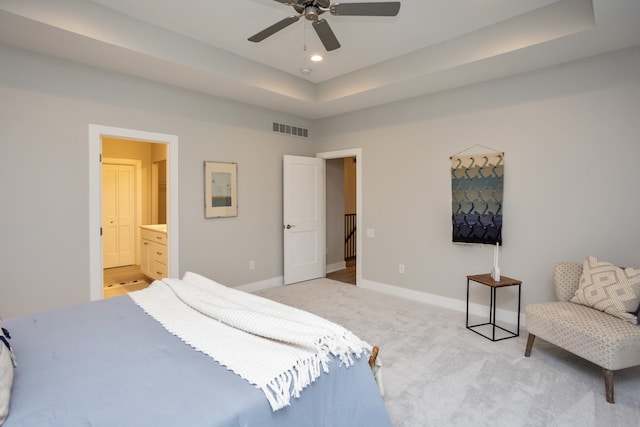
(110, 363)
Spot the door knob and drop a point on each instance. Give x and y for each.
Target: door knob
(288, 226)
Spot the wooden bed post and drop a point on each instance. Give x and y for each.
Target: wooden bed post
(374, 356)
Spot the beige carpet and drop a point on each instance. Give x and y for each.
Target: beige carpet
(438, 373)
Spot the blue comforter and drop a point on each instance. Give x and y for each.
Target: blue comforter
(107, 363)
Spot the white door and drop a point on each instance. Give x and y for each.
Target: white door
(304, 218)
(118, 215)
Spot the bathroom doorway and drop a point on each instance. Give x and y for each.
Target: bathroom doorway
(133, 195)
(135, 140)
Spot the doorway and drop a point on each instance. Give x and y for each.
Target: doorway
(96, 135)
(352, 202)
(132, 172)
(341, 219)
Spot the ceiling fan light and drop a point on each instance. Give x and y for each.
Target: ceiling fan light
(316, 58)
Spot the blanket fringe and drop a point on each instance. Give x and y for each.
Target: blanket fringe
(292, 382)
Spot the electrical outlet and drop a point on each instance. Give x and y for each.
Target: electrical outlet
(401, 268)
(252, 265)
(371, 233)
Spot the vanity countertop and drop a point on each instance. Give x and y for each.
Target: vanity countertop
(156, 227)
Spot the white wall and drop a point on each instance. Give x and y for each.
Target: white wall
(570, 134)
(47, 106)
(571, 138)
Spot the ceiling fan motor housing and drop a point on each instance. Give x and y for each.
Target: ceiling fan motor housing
(310, 9)
(312, 12)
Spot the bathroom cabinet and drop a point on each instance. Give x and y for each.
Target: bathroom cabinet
(153, 251)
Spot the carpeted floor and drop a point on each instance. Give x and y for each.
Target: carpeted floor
(438, 373)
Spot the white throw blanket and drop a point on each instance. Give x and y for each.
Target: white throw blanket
(279, 349)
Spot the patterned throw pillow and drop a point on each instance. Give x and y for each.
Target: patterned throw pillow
(6, 375)
(609, 288)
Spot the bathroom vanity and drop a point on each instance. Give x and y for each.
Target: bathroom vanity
(153, 250)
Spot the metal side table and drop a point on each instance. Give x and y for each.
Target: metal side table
(487, 280)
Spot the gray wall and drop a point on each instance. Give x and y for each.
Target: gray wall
(47, 106)
(570, 134)
(571, 138)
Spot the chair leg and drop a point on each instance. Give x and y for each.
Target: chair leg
(530, 341)
(608, 384)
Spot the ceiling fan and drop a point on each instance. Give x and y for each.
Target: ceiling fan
(312, 9)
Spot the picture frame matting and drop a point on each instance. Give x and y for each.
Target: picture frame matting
(220, 189)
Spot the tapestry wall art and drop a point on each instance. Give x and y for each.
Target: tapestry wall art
(476, 197)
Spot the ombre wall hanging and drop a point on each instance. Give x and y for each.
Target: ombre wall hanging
(477, 183)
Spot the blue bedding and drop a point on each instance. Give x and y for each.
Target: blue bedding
(107, 363)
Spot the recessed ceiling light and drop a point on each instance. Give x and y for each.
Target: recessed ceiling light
(316, 58)
(305, 70)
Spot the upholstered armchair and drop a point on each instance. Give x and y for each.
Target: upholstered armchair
(610, 342)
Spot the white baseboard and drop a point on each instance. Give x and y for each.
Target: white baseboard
(336, 266)
(505, 316)
(263, 284)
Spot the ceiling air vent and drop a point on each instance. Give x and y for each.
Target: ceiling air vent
(290, 130)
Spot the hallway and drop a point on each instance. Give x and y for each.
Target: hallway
(346, 275)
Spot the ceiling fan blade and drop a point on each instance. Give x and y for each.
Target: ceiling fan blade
(274, 28)
(326, 35)
(289, 2)
(390, 8)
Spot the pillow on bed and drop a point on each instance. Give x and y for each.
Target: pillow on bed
(6, 375)
(609, 288)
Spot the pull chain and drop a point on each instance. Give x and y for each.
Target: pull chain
(304, 36)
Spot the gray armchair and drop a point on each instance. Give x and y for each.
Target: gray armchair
(608, 341)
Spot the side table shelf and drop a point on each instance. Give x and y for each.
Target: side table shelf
(487, 280)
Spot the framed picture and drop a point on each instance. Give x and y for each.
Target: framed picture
(220, 189)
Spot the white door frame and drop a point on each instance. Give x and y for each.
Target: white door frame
(357, 153)
(96, 132)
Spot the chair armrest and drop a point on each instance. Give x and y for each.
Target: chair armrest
(566, 278)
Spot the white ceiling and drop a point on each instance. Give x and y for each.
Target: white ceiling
(432, 45)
